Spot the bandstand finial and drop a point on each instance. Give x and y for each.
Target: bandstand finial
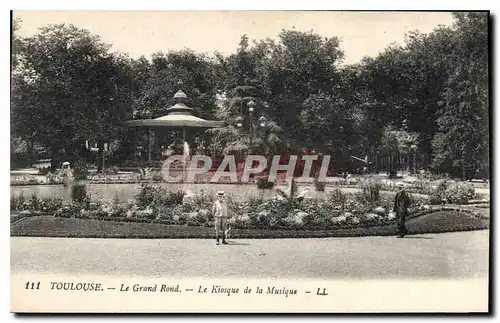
(180, 96)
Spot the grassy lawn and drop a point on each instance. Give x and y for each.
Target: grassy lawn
(48, 226)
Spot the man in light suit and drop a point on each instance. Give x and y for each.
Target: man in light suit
(220, 212)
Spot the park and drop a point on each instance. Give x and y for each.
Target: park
(110, 151)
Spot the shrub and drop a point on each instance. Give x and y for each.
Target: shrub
(167, 198)
(36, 203)
(294, 221)
(269, 217)
(44, 170)
(243, 221)
(192, 219)
(174, 198)
(423, 186)
(319, 219)
(52, 204)
(460, 193)
(67, 211)
(48, 205)
(113, 170)
(264, 184)
(148, 194)
(80, 170)
(179, 218)
(17, 202)
(254, 201)
(417, 203)
(337, 196)
(164, 214)
(78, 192)
(320, 186)
(438, 195)
(371, 189)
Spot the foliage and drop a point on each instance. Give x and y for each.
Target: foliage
(462, 144)
(158, 81)
(264, 184)
(44, 170)
(67, 211)
(254, 135)
(454, 193)
(291, 197)
(331, 114)
(371, 189)
(438, 196)
(35, 203)
(16, 202)
(338, 211)
(337, 197)
(460, 193)
(78, 192)
(319, 186)
(80, 170)
(67, 87)
(156, 195)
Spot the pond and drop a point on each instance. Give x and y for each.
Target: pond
(127, 191)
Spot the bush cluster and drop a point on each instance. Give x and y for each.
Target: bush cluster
(264, 184)
(337, 209)
(453, 193)
(80, 170)
(35, 203)
(371, 189)
(79, 192)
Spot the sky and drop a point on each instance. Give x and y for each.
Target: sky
(145, 32)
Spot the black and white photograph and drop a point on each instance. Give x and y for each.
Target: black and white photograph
(250, 161)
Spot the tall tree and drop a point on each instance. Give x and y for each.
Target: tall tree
(300, 64)
(463, 119)
(70, 89)
(177, 70)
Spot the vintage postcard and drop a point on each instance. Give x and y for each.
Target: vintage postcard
(249, 161)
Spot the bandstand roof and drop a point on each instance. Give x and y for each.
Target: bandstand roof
(179, 116)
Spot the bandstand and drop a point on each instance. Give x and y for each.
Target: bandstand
(179, 117)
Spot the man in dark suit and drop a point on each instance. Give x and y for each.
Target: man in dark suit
(401, 205)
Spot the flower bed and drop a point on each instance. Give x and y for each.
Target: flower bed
(155, 205)
(39, 226)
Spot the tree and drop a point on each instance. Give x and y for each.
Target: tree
(283, 74)
(16, 44)
(326, 118)
(405, 83)
(299, 65)
(463, 118)
(168, 73)
(70, 89)
(394, 144)
(255, 136)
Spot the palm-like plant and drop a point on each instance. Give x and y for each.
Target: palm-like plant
(262, 137)
(292, 197)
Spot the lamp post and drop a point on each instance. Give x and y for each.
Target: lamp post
(252, 129)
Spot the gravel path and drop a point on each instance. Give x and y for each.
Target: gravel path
(448, 255)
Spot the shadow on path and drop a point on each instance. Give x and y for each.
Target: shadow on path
(233, 243)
